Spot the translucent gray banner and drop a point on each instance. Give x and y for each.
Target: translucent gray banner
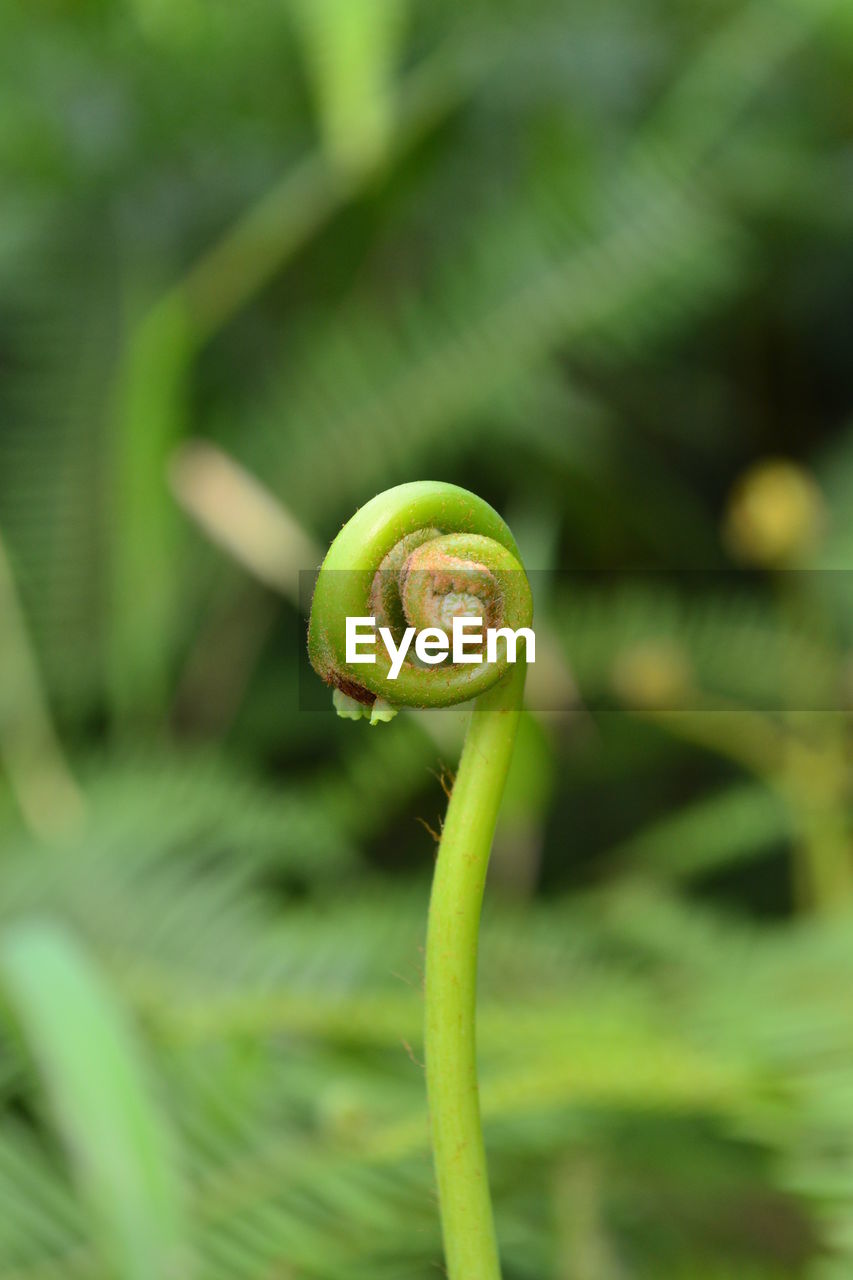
(648, 641)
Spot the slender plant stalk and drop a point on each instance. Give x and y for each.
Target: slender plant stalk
(451, 983)
(417, 556)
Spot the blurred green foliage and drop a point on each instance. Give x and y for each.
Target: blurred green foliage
(592, 261)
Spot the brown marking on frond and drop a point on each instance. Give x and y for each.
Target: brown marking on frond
(351, 689)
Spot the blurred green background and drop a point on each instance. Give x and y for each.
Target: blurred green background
(258, 262)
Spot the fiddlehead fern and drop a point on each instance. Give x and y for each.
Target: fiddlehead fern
(417, 556)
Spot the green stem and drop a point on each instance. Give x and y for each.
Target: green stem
(451, 981)
(416, 556)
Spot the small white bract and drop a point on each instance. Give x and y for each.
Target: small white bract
(351, 709)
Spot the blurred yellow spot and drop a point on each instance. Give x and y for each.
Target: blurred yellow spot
(652, 673)
(775, 514)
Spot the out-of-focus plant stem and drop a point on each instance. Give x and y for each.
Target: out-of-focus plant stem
(47, 794)
(803, 759)
(152, 381)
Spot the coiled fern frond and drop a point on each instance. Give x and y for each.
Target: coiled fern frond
(419, 556)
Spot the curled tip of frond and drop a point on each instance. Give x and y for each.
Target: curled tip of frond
(416, 556)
